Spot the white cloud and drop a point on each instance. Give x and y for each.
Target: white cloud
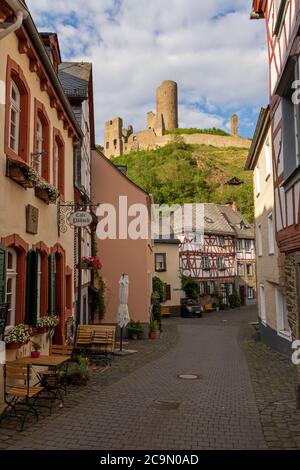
(211, 48)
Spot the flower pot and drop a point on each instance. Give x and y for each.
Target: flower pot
(14, 345)
(41, 330)
(152, 334)
(42, 194)
(35, 354)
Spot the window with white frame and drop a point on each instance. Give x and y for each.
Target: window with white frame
(240, 245)
(221, 263)
(259, 240)
(14, 118)
(248, 246)
(205, 262)
(257, 180)
(250, 293)
(210, 287)
(263, 312)
(268, 159)
(240, 269)
(222, 241)
(201, 288)
(39, 278)
(271, 234)
(249, 268)
(160, 262)
(11, 285)
(283, 326)
(39, 146)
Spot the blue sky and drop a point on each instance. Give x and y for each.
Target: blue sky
(210, 47)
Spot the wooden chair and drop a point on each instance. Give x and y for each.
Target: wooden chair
(55, 378)
(18, 393)
(104, 343)
(83, 339)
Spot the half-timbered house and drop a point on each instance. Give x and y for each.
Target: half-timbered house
(213, 257)
(282, 19)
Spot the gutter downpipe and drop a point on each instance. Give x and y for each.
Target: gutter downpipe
(16, 25)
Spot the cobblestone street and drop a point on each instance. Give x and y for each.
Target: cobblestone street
(243, 398)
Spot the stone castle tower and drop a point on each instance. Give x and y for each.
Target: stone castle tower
(118, 140)
(234, 124)
(167, 105)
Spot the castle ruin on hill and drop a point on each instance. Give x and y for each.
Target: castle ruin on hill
(119, 140)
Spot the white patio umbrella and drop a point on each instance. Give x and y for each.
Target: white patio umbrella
(123, 317)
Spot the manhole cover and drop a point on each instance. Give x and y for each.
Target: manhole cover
(189, 376)
(165, 405)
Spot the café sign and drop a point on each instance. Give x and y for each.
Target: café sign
(80, 219)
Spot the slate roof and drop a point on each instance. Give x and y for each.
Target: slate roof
(75, 77)
(238, 223)
(217, 219)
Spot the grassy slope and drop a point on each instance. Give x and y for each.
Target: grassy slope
(181, 173)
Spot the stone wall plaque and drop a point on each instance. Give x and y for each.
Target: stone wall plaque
(32, 219)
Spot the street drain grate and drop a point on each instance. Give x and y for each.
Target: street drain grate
(189, 376)
(165, 405)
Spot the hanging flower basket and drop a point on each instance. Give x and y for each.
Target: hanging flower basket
(90, 263)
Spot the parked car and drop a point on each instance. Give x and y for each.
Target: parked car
(191, 308)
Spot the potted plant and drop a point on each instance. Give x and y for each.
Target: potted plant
(47, 322)
(90, 262)
(135, 329)
(46, 192)
(16, 336)
(153, 329)
(36, 350)
(18, 171)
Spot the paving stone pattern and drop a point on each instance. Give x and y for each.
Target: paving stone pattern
(141, 403)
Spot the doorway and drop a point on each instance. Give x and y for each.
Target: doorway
(242, 295)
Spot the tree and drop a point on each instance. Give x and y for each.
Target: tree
(158, 296)
(234, 299)
(190, 287)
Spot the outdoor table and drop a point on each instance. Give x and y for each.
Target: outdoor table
(43, 361)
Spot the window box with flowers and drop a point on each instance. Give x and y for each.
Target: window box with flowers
(46, 323)
(16, 336)
(90, 263)
(43, 190)
(19, 171)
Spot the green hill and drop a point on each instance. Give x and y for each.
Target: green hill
(181, 173)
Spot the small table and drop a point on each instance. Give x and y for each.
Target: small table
(43, 361)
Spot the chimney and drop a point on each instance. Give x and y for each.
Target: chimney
(234, 125)
(234, 206)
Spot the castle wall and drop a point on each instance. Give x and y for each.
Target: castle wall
(148, 140)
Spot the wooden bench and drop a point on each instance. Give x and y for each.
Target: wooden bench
(165, 311)
(209, 307)
(96, 341)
